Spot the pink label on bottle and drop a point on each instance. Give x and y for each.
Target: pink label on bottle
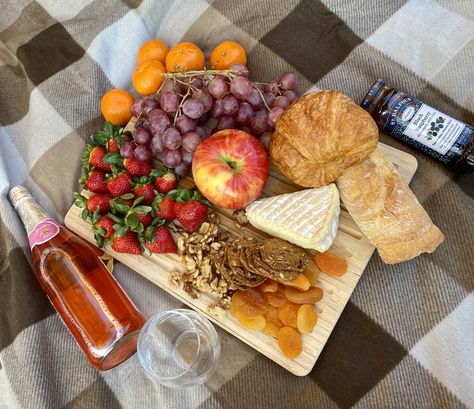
(43, 231)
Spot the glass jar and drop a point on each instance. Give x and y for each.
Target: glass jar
(421, 126)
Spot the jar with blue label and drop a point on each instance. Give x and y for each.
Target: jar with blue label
(422, 126)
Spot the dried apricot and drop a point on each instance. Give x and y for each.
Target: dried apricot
(290, 342)
(269, 286)
(311, 272)
(272, 327)
(271, 312)
(307, 318)
(276, 299)
(331, 263)
(288, 314)
(314, 294)
(300, 282)
(258, 322)
(243, 303)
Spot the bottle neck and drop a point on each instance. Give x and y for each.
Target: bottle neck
(28, 209)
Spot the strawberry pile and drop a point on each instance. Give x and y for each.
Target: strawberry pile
(130, 202)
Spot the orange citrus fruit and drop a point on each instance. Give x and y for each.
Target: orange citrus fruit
(148, 77)
(115, 106)
(184, 57)
(226, 54)
(152, 50)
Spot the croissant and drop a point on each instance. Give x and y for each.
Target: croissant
(320, 135)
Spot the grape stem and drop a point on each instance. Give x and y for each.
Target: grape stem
(263, 99)
(185, 74)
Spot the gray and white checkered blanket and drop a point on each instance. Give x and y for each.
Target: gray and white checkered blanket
(406, 338)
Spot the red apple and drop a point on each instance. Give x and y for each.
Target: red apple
(230, 168)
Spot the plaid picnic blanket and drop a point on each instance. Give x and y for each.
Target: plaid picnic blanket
(405, 340)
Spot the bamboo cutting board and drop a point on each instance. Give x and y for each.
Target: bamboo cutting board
(350, 244)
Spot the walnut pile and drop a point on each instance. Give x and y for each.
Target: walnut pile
(196, 250)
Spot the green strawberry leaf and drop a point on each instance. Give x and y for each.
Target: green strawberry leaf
(99, 138)
(80, 200)
(95, 216)
(127, 196)
(142, 209)
(85, 214)
(132, 221)
(138, 200)
(116, 219)
(120, 231)
(99, 239)
(113, 158)
(119, 206)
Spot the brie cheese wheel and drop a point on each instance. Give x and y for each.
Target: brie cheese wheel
(308, 218)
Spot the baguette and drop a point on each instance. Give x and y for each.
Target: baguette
(387, 211)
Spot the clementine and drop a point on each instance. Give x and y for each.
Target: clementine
(226, 54)
(152, 50)
(184, 57)
(115, 106)
(148, 77)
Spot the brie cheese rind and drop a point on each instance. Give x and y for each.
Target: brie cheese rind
(308, 218)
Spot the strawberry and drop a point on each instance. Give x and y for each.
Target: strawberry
(137, 167)
(191, 214)
(95, 182)
(165, 208)
(165, 180)
(162, 241)
(145, 219)
(114, 144)
(96, 158)
(128, 243)
(177, 207)
(104, 227)
(120, 184)
(99, 201)
(146, 189)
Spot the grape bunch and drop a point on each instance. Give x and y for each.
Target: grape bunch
(192, 105)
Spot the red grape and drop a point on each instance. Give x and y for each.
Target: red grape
(217, 109)
(273, 116)
(259, 124)
(186, 156)
(197, 82)
(288, 80)
(205, 98)
(230, 105)
(226, 122)
(185, 124)
(142, 153)
(269, 98)
(141, 136)
(172, 139)
(272, 87)
(136, 107)
(127, 149)
(246, 129)
(193, 108)
(291, 95)
(218, 87)
(169, 101)
(261, 111)
(159, 121)
(156, 145)
(281, 102)
(182, 169)
(241, 88)
(201, 132)
(245, 114)
(255, 98)
(149, 104)
(191, 141)
(203, 119)
(171, 159)
(243, 71)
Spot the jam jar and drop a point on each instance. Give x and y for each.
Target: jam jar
(418, 124)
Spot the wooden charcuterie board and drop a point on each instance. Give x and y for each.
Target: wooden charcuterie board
(350, 244)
